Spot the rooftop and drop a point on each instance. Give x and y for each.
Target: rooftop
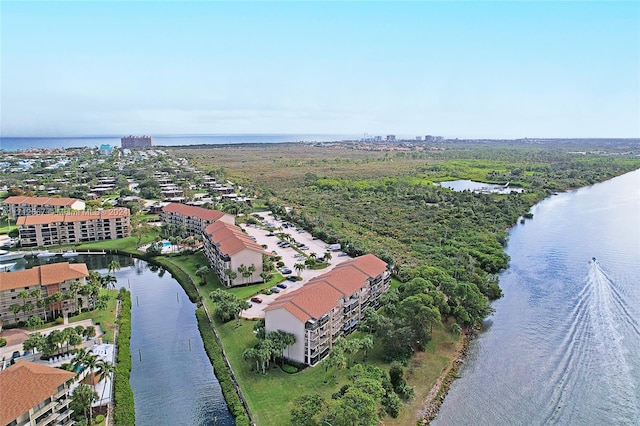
(25, 385)
(42, 275)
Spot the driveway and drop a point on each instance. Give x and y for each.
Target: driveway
(315, 246)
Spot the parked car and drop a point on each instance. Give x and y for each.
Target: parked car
(303, 247)
(292, 279)
(270, 234)
(249, 304)
(256, 299)
(275, 290)
(342, 254)
(282, 285)
(285, 270)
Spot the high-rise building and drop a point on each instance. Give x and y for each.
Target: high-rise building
(136, 141)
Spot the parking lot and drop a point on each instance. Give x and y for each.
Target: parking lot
(288, 257)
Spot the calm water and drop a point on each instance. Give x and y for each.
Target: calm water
(174, 383)
(471, 185)
(171, 376)
(563, 346)
(15, 144)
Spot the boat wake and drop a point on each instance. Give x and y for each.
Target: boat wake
(593, 352)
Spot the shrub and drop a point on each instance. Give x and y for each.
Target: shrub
(123, 412)
(59, 321)
(289, 369)
(220, 369)
(3, 342)
(99, 418)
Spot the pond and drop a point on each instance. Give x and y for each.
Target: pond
(470, 185)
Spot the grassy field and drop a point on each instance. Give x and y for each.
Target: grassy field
(106, 319)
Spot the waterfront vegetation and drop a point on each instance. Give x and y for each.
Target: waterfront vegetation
(123, 412)
(444, 248)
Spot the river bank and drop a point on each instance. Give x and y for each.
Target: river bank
(439, 391)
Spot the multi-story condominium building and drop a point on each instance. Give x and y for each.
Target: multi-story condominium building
(328, 306)
(49, 279)
(194, 219)
(231, 250)
(17, 206)
(75, 227)
(35, 394)
(136, 141)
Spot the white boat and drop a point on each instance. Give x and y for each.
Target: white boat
(6, 267)
(70, 253)
(6, 256)
(45, 254)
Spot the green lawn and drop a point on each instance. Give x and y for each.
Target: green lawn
(106, 319)
(271, 397)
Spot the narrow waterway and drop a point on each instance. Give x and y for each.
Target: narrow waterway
(171, 376)
(563, 345)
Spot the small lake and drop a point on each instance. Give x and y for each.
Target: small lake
(470, 185)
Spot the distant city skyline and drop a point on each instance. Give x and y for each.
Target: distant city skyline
(453, 69)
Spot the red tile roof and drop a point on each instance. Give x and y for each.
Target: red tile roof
(42, 275)
(369, 264)
(25, 385)
(311, 301)
(321, 294)
(193, 211)
(230, 239)
(41, 219)
(36, 201)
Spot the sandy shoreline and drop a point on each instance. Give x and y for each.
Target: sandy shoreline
(438, 392)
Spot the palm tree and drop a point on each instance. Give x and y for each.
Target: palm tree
(75, 287)
(265, 276)
(85, 360)
(243, 271)
(15, 308)
(105, 369)
(231, 275)
(24, 295)
(202, 273)
(299, 267)
(37, 294)
(327, 256)
(251, 269)
(251, 354)
(54, 299)
(82, 399)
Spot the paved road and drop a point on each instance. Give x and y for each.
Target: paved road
(315, 246)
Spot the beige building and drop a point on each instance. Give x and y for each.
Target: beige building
(194, 219)
(35, 394)
(49, 279)
(76, 227)
(17, 206)
(230, 249)
(328, 306)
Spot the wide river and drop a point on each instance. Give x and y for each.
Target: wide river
(563, 346)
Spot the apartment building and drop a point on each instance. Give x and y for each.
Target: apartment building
(136, 141)
(74, 227)
(49, 279)
(17, 206)
(328, 306)
(35, 394)
(230, 249)
(194, 219)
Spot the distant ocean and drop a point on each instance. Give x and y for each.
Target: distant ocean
(17, 144)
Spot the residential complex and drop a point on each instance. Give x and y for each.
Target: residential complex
(17, 206)
(35, 394)
(328, 306)
(49, 279)
(194, 219)
(232, 253)
(74, 227)
(136, 141)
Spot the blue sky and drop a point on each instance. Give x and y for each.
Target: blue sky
(458, 69)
